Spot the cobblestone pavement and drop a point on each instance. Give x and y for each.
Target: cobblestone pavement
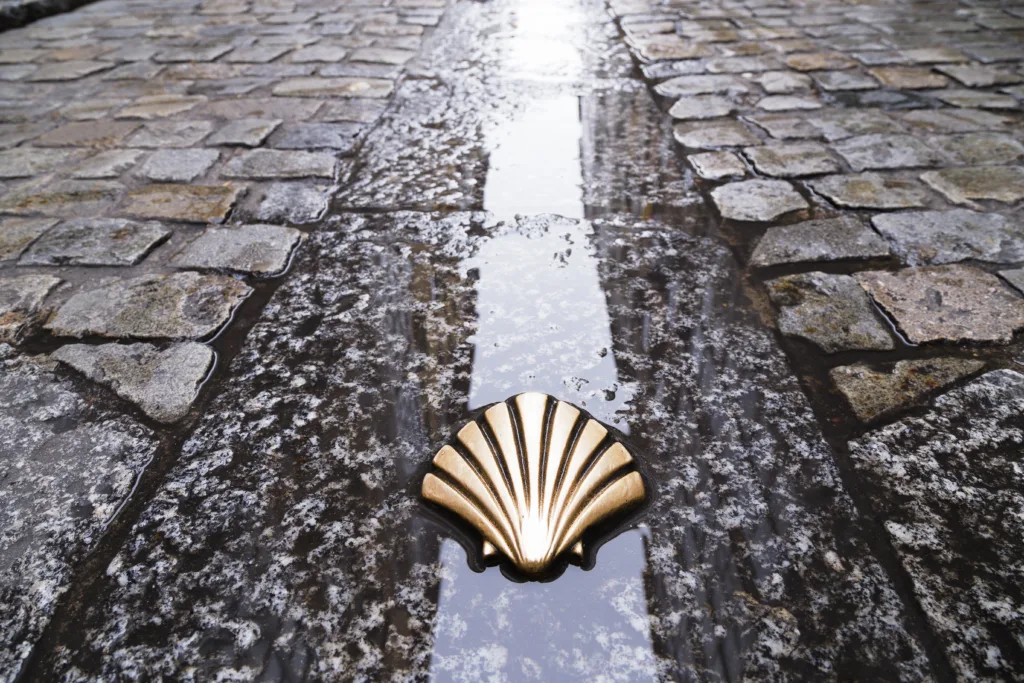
(259, 257)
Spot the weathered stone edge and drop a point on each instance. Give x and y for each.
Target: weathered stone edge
(17, 14)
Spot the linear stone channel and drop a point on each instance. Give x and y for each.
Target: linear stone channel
(260, 259)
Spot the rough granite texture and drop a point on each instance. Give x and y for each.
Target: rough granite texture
(947, 486)
(21, 298)
(757, 200)
(66, 466)
(254, 249)
(937, 237)
(163, 383)
(95, 242)
(830, 239)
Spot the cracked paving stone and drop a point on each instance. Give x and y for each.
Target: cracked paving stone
(25, 162)
(946, 303)
(106, 165)
(757, 200)
(879, 151)
(658, 48)
(976, 99)
(335, 87)
(244, 133)
(789, 103)
(179, 306)
(160, 106)
(832, 81)
(701, 107)
(337, 136)
(829, 239)
(69, 198)
(188, 203)
(716, 133)
(178, 165)
(908, 77)
(788, 160)
(253, 249)
(1014, 277)
(783, 82)
(947, 487)
(979, 149)
(873, 392)
(871, 191)
(686, 86)
(162, 383)
(161, 134)
(820, 61)
(292, 203)
(274, 164)
(67, 71)
(66, 467)
(830, 311)
(95, 242)
(961, 185)
(939, 237)
(21, 298)
(976, 75)
(717, 165)
(88, 134)
(17, 233)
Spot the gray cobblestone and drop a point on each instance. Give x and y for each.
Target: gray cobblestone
(253, 249)
(95, 242)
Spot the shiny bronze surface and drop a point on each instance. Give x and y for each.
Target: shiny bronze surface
(532, 474)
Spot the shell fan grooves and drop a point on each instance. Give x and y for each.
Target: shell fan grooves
(531, 475)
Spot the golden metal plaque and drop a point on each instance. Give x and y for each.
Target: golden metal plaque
(532, 474)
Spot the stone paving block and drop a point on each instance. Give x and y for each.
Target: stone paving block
(975, 99)
(274, 164)
(354, 110)
(838, 124)
(110, 164)
(934, 55)
(67, 467)
(789, 102)
(757, 200)
(318, 53)
(785, 126)
(92, 134)
(835, 81)
(17, 233)
(26, 162)
(92, 109)
(21, 298)
(908, 77)
(715, 133)
(790, 160)
(783, 82)
(253, 249)
(191, 54)
(162, 383)
(955, 120)
(961, 185)
(1014, 277)
(336, 136)
(163, 134)
(717, 165)
(687, 86)
(334, 87)
(820, 61)
(180, 306)
(946, 486)
(188, 203)
(244, 133)
(160, 106)
(292, 203)
(68, 198)
(256, 54)
(67, 71)
(878, 151)
(95, 242)
(283, 108)
(977, 149)
(938, 237)
(873, 393)
(946, 303)
(133, 71)
(830, 311)
(976, 75)
(377, 55)
(178, 165)
(739, 65)
(663, 47)
(829, 239)
(871, 191)
(701, 107)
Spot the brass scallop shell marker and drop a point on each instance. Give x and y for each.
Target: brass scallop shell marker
(532, 474)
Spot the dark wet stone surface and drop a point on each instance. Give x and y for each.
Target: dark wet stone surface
(947, 489)
(830, 311)
(21, 298)
(936, 237)
(364, 362)
(65, 468)
(829, 239)
(873, 392)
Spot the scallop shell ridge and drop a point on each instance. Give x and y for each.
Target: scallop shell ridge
(532, 474)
